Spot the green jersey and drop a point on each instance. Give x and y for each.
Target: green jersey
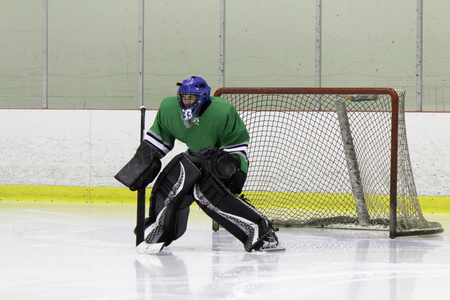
(219, 126)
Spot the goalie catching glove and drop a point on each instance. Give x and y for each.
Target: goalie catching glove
(222, 165)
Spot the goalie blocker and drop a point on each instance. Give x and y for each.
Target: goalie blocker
(141, 169)
(193, 177)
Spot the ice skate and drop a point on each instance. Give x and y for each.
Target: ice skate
(271, 243)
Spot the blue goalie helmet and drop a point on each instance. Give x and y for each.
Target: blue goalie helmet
(193, 95)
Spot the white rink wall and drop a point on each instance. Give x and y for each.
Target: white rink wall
(68, 147)
(87, 147)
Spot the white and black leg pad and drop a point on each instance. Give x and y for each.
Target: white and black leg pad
(141, 169)
(234, 214)
(170, 200)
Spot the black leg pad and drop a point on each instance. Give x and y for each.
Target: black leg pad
(172, 196)
(234, 214)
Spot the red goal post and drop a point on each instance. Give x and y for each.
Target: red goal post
(329, 157)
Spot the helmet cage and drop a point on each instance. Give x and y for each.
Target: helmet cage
(188, 113)
(193, 86)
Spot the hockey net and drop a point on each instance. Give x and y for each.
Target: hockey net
(330, 157)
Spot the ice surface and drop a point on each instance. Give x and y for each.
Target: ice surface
(86, 251)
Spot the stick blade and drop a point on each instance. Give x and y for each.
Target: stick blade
(146, 248)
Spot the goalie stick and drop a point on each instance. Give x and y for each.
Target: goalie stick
(140, 208)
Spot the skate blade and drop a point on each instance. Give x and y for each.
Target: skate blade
(146, 248)
(273, 249)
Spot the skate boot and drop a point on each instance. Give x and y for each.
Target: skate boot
(271, 243)
(268, 241)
